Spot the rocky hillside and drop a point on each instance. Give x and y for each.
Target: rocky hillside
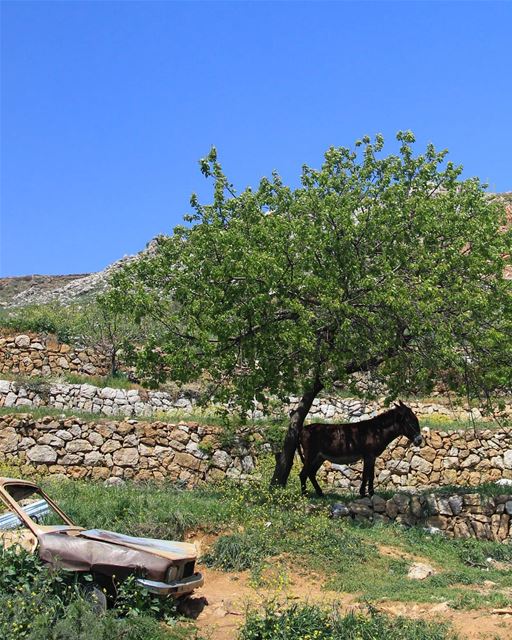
(38, 289)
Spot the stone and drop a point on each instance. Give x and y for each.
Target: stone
(507, 459)
(187, 461)
(508, 507)
(428, 453)
(421, 465)
(114, 481)
(9, 440)
(379, 504)
(51, 439)
(93, 459)
(10, 399)
(74, 446)
(455, 503)
(391, 508)
(444, 507)
(22, 341)
(42, 453)
(110, 445)
(71, 458)
(5, 386)
(471, 461)
(107, 393)
(126, 457)
(361, 508)
(402, 501)
(64, 435)
(420, 571)
(339, 510)
(220, 459)
(247, 464)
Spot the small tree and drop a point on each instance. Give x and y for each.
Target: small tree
(109, 330)
(390, 265)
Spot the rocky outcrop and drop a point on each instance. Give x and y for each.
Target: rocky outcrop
(29, 354)
(76, 289)
(469, 515)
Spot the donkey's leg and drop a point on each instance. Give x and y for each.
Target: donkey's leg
(312, 476)
(362, 490)
(371, 474)
(303, 475)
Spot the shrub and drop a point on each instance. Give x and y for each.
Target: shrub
(37, 603)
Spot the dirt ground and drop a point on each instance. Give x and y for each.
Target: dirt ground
(229, 594)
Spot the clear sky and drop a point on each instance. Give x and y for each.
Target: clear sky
(107, 106)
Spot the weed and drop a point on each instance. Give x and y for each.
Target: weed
(310, 622)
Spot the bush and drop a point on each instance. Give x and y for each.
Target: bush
(37, 603)
(310, 622)
(64, 322)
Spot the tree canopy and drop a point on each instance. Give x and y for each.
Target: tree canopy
(389, 264)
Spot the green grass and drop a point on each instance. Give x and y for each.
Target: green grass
(311, 622)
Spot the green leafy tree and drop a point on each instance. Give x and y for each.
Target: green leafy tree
(384, 264)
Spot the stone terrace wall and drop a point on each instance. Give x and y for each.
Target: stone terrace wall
(446, 458)
(86, 397)
(39, 355)
(462, 516)
(139, 402)
(191, 452)
(128, 449)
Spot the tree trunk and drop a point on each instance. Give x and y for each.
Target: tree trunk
(113, 362)
(284, 460)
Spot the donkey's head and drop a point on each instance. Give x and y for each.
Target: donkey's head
(408, 422)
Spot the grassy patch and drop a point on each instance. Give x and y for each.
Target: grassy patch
(310, 622)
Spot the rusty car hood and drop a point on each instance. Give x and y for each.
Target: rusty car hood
(111, 553)
(79, 553)
(164, 548)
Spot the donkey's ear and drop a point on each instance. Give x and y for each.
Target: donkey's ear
(401, 403)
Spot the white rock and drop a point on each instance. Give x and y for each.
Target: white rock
(221, 459)
(420, 571)
(42, 453)
(5, 386)
(22, 341)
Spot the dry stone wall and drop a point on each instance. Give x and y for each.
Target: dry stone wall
(86, 397)
(187, 452)
(139, 402)
(39, 355)
(469, 515)
(192, 453)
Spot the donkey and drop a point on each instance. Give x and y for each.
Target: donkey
(347, 443)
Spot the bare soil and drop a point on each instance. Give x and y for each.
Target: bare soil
(230, 594)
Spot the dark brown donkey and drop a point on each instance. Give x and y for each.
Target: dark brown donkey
(347, 443)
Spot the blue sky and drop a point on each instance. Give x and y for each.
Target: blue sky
(107, 106)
